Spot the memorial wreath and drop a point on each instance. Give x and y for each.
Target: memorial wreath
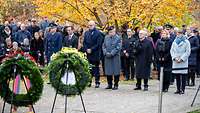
(26, 68)
(67, 61)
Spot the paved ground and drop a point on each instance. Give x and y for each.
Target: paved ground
(125, 100)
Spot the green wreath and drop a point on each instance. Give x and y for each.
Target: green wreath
(26, 68)
(77, 63)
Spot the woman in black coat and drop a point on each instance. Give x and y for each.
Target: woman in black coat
(37, 49)
(164, 59)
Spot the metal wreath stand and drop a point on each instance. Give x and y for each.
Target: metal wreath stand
(66, 100)
(14, 76)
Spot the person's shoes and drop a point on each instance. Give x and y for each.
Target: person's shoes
(182, 92)
(145, 88)
(115, 88)
(166, 90)
(108, 87)
(177, 92)
(97, 85)
(138, 88)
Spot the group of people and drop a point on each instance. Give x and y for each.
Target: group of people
(129, 52)
(133, 52)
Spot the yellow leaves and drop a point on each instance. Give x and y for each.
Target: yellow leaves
(158, 12)
(16, 8)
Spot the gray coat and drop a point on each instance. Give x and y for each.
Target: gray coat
(182, 51)
(111, 50)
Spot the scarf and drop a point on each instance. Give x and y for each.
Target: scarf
(180, 39)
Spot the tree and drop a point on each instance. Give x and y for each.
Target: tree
(195, 10)
(144, 13)
(16, 8)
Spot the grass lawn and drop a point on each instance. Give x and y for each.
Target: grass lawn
(196, 111)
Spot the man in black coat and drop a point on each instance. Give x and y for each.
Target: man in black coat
(156, 34)
(70, 40)
(53, 42)
(196, 32)
(128, 51)
(144, 52)
(33, 27)
(92, 45)
(192, 61)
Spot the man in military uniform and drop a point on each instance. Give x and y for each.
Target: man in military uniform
(53, 42)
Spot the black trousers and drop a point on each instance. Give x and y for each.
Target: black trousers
(95, 71)
(129, 68)
(122, 64)
(172, 78)
(110, 80)
(198, 64)
(191, 76)
(180, 81)
(166, 79)
(139, 82)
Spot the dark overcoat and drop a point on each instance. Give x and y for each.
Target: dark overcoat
(194, 43)
(93, 40)
(163, 47)
(37, 47)
(53, 44)
(144, 59)
(70, 42)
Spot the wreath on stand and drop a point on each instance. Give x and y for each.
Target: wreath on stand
(76, 63)
(27, 69)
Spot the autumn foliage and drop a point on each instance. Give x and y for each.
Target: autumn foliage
(144, 13)
(16, 8)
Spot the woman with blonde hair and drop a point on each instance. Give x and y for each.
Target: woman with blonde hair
(163, 58)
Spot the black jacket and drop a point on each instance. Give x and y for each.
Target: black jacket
(93, 40)
(37, 47)
(144, 59)
(163, 56)
(73, 42)
(129, 45)
(33, 29)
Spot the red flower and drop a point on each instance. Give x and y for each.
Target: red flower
(16, 53)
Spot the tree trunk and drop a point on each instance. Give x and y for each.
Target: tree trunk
(98, 18)
(116, 26)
